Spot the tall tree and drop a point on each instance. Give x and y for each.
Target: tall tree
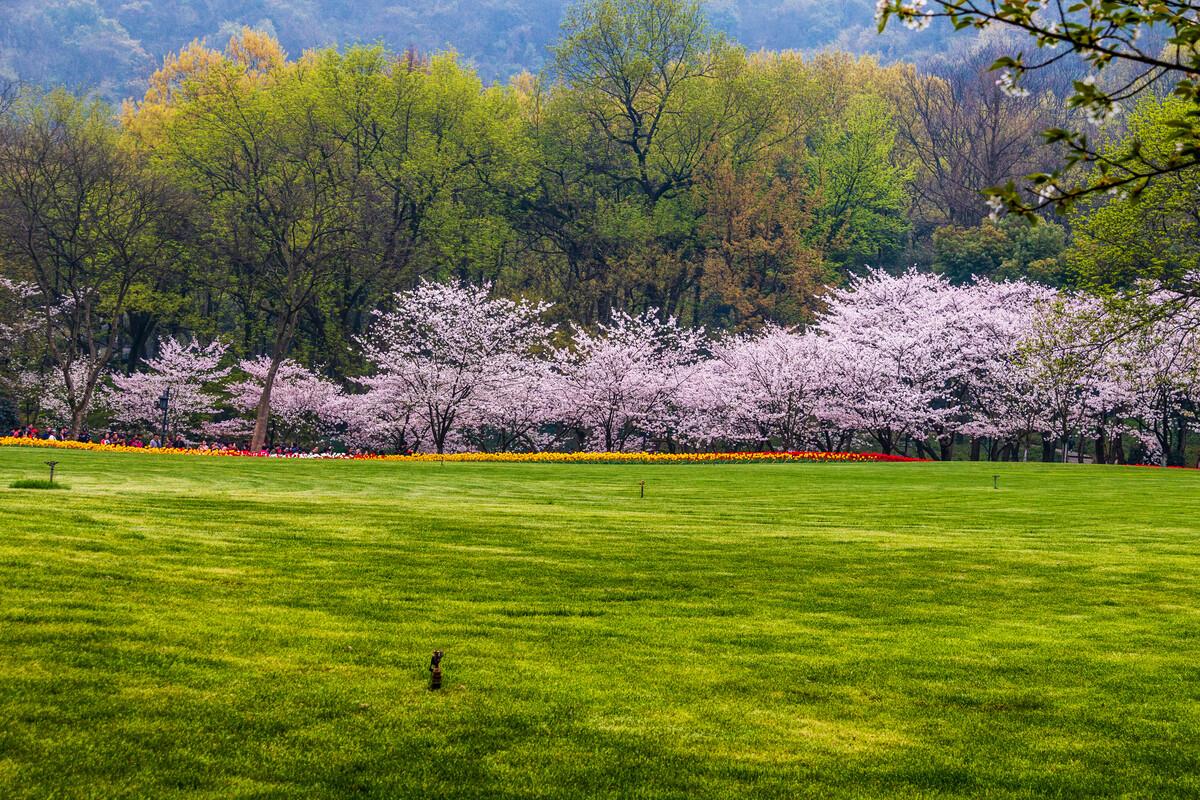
(648, 102)
(247, 134)
(966, 134)
(862, 187)
(758, 266)
(81, 219)
(633, 65)
(1149, 44)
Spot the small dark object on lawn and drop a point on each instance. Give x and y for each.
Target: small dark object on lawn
(643, 485)
(52, 465)
(995, 481)
(435, 670)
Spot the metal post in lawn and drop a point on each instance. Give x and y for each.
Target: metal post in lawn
(51, 465)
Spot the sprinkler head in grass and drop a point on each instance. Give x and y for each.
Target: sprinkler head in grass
(642, 484)
(995, 481)
(52, 465)
(435, 670)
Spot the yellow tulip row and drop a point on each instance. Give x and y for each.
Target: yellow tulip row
(544, 457)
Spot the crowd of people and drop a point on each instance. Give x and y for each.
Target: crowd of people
(48, 433)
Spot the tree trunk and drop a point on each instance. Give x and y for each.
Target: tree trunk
(923, 450)
(1048, 444)
(141, 326)
(1166, 438)
(946, 445)
(77, 419)
(262, 414)
(79, 413)
(976, 446)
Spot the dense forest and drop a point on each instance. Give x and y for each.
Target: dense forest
(656, 167)
(112, 46)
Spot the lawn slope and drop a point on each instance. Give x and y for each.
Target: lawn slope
(183, 626)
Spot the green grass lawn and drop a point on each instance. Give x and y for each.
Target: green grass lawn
(175, 626)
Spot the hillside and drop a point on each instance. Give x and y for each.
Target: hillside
(110, 46)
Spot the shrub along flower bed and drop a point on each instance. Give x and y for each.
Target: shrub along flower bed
(544, 457)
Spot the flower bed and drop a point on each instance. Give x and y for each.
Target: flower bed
(641, 458)
(548, 457)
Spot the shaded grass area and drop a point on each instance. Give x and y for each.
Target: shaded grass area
(37, 483)
(197, 627)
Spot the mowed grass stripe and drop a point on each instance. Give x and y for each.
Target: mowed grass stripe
(180, 626)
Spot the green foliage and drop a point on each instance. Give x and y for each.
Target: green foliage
(228, 627)
(863, 196)
(1007, 250)
(1123, 238)
(655, 165)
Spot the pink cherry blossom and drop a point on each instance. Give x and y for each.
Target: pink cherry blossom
(190, 371)
(441, 356)
(620, 386)
(303, 404)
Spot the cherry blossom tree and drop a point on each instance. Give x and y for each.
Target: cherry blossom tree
(516, 409)
(382, 416)
(1064, 368)
(1156, 369)
(999, 398)
(763, 390)
(17, 321)
(619, 386)
(42, 395)
(303, 404)
(23, 373)
(46, 392)
(896, 357)
(443, 351)
(190, 371)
